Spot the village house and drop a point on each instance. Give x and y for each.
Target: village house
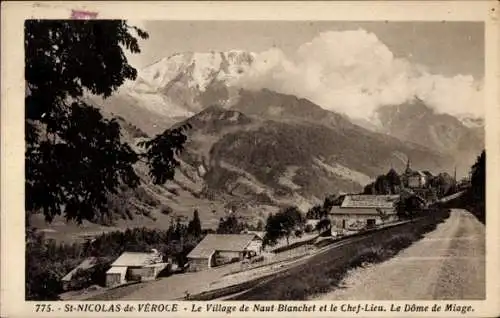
(415, 179)
(360, 211)
(135, 266)
(218, 249)
(68, 280)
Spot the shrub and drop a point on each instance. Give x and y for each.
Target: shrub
(166, 210)
(308, 228)
(143, 196)
(174, 191)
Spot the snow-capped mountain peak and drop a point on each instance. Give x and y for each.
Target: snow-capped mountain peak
(471, 121)
(182, 84)
(196, 70)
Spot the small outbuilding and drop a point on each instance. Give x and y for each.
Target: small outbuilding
(116, 276)
(135, 266)
(218, 249)
(68, 281)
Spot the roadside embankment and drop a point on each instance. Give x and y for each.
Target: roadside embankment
(323, 272)
(447, 264)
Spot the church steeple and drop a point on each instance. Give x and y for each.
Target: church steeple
(408, 168)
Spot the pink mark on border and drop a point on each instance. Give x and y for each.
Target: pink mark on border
(83, 15)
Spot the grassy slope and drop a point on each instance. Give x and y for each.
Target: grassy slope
(268, 151)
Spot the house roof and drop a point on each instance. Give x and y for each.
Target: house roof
(427, 173)
(361, 211)
(369, 201)
(221, 242)
(260, 234)
(417, 173)
(117, 270)
(86, 264)
(135, 259)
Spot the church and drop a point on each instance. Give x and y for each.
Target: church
(415, 179)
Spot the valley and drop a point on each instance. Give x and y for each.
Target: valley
(254, 151)
(161, 163)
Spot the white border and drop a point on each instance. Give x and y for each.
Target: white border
(12, 116)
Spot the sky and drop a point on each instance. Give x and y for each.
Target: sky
(352, 67)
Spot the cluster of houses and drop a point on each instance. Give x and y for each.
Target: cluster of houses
(214, 250)
(351, 212)
(356, 211)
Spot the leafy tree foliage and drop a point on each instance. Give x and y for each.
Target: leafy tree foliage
(315, 212)
(329, 202)
(291, 218)
(162, 151)
(259, 226)
(74, 156)
(443, 183)
(408, 205)
(273, 230)
(282, 224)
(394, 181)
(95, 275)
(382, 185)
(369, 188)
(323, 224)
(389, 183)
(321, 211)
(46, 264)
(230, 225)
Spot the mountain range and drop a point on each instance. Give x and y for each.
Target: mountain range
(258, 150)
(418, 123)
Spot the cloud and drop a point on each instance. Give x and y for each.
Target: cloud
(353, 72)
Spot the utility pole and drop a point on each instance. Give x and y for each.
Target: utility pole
(455, 174)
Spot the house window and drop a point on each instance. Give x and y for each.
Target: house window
(343, 224)
(370, 222)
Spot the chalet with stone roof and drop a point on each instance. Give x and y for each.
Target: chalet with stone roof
(218, 249)
(361, 211)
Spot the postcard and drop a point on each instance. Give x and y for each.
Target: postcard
(245, 159)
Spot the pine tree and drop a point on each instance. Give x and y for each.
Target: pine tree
(478, 187)
(194, 226)
(478, 178)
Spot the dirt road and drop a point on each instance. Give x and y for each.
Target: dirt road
(448, 263)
